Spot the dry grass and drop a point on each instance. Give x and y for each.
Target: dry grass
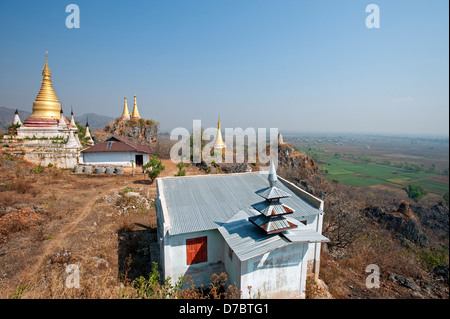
(51, 218)
(344, 271)
(44, 214)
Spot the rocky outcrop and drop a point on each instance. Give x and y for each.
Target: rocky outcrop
(405, 281)
(227, 168)
(442, 271)
(435, 217)
(404, 210)
(138, 131)
(299, 169)
(287, 156)
(235, 167)
(402, 220)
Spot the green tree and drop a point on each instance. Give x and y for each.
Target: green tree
(181, 171)
(81, 130)
(153, 168)
(432, 169)
(415, 192)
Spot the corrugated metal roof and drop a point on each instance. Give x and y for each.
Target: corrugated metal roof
(303, 234)
(300, 235)
(272, 208)
(272, 193)
(247, 241)
(204, 202)
(271, 224)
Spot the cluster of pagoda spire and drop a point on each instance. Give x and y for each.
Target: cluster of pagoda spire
(126, 114)
(47, 111)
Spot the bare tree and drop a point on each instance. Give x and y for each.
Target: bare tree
(342, 222)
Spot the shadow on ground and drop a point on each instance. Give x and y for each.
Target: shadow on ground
(134, 252)
(142, 182)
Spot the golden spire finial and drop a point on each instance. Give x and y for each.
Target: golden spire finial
(46, 70)
(135, 114)
(46, 104)
(125, 113)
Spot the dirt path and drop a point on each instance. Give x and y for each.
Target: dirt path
(50, 247)
(171, 168)
(82, 215)
(84, 211)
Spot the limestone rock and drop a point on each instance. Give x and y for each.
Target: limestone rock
(138, 131)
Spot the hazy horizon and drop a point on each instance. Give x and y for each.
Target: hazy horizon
(297, 66)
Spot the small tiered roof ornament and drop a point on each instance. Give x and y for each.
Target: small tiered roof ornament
(272, 211)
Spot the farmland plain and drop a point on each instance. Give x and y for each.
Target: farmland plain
(369, 160)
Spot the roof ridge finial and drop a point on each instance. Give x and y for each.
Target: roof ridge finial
(272, 177)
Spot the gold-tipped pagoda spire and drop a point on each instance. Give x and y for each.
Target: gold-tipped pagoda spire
(135, 114)
(125, 113)
(219, 141)
(46, 104)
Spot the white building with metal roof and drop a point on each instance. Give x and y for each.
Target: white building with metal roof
(219, 223)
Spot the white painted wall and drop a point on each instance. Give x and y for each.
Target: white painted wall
(112, 158)
(277, 274)
(38, 132)
(232, 266)
(311, 223)
(175, 257)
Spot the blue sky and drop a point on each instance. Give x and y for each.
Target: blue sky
(295, 65)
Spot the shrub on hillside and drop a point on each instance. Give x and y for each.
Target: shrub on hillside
(415, 192)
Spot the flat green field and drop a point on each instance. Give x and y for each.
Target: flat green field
(433, 187)
(362, 174)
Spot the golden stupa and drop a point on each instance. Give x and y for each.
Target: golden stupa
(48, 122)
(219, 141)
(125, 113)
(46, 105)
(135, 114)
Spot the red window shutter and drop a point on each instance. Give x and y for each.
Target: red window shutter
(196, 250)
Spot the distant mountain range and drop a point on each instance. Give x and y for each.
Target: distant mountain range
(96, 121)
(7, 116)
